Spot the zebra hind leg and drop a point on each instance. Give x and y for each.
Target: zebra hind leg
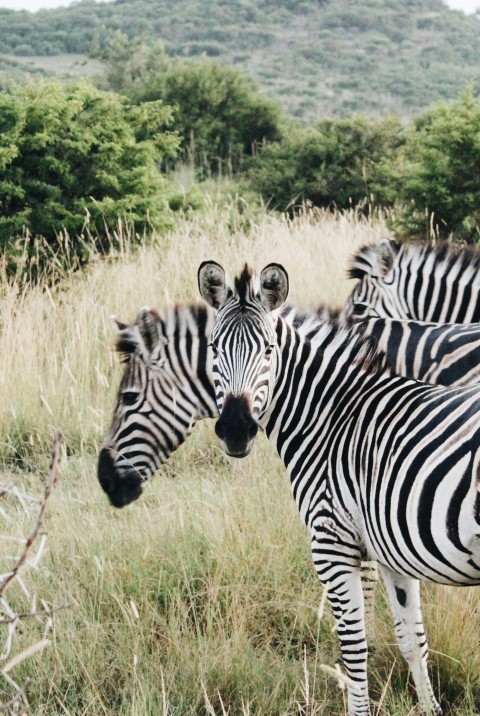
(404, 597)
(369, 582)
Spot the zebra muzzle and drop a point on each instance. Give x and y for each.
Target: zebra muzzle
(236, 427)
(122, 485)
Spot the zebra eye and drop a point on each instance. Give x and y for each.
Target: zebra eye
(130, 397)
(269, 350)
(214, 348)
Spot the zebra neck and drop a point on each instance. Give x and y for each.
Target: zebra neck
(187, 329)
(319, 384)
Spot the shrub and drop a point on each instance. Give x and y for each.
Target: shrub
(71, 153)
(338, 162)
(440, 182)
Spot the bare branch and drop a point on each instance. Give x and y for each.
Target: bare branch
(18, 705)
(41, 511)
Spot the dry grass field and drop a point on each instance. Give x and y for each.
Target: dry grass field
(200, 598)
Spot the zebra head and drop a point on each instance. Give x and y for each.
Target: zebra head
(244, 345)
(166, 386)
(376, 293)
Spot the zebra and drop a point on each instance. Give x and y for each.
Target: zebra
(382, 467)
(167, 383)
(423, 282)
(166, 387)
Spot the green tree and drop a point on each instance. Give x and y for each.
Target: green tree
(217, 111)
(440, 182)
(337, 162)
(67, 154)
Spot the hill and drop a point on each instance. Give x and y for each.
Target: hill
(318, 57)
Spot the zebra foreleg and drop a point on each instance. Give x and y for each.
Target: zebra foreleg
(340, 575)
(404, 596)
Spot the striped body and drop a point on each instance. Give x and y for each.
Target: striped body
(441, 354)
(381, 467)
(415, 281)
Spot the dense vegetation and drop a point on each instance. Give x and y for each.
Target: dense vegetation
(318, 57)
(75, 158)
(68, 155)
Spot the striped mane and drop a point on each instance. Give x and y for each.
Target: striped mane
(331, 336)
(323, 329)
(244, 285)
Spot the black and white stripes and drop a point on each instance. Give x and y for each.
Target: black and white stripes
(423, 282)
(381, 467)
(166, 387)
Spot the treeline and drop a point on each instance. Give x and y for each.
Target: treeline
(74, 160)
(316, 57)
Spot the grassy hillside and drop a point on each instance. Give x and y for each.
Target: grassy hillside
(318, 57)
(199, 599)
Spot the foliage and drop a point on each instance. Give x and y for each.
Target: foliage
(440, 180)
(318, 57)
(217, 112)
(337, 162)
(68, 155)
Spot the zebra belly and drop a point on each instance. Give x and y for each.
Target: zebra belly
(433, 534)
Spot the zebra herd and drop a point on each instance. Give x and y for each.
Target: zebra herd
(383, 467)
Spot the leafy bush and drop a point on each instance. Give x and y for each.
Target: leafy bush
(440, 181)
(67, 154)
(339, 163)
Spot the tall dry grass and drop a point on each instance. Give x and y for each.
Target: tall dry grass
(56, 364)
(200, 598)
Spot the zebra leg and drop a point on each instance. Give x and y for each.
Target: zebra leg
(404, 596)
(339, 572)
(369, 581)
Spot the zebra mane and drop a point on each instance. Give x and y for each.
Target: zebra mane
(327, 333)
(445, 256)
(243, 284)
(153, 326)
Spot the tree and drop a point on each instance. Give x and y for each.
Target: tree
(71, 153)
(217, 111)
(441, 172)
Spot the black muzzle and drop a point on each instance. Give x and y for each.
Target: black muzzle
(236, 426)
(122, 484)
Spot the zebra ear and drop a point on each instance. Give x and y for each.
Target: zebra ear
(118, 324)
(386, 252)
(148, 326)
(129, 340)
(211, 283)
(273, 286)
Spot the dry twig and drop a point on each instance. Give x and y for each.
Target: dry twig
(18, 704)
